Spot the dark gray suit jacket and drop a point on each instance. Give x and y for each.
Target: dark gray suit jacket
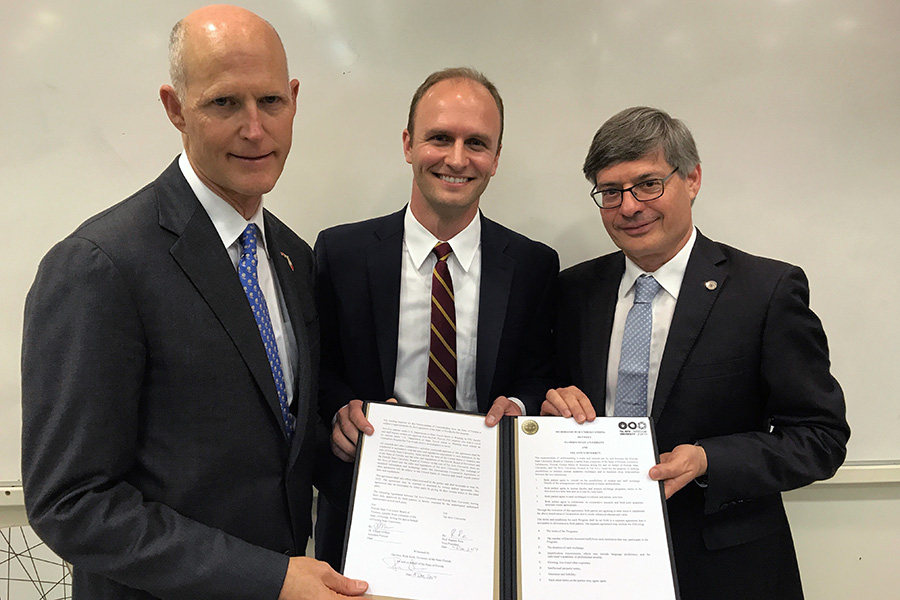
(153, 452)
(746, 374)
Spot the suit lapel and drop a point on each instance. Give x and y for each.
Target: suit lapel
(200, 254)
(289, 282)
(383, 260)
(600, 311)
(704, 277)
(497, 270)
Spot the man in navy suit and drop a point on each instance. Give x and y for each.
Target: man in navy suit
(375, 280)
(736, 377)
(163, 454)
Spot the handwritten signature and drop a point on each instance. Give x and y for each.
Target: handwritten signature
(457, 540)
(409, 567)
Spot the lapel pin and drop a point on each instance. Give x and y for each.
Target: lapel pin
(291, 265)
(710, 285)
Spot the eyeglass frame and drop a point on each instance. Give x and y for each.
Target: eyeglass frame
(662, 183)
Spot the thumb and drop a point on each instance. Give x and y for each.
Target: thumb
(344, 585)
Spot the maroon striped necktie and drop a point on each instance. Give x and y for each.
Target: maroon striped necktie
(441, 388)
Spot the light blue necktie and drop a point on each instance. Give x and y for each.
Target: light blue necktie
(634, 364)
(250, 282)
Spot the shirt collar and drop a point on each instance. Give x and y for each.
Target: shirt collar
(419, 241)
(228, 222)
(669, 276)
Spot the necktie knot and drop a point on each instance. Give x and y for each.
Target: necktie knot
(645, 289)
(442, 250)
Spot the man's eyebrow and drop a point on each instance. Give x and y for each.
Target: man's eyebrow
(638, 179)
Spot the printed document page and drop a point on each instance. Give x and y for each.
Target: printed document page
(591, 521)
(423, 518)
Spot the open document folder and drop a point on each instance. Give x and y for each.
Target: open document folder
(445, 507)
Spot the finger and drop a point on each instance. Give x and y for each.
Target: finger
(547, 408)
(357, 418)
(673, 485)
(497, 410)
(558, 402)
(344, 585)
(341, 446)
(392, 401)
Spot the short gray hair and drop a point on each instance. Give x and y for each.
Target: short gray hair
(635, 132)
(177, 72)
(176, 60)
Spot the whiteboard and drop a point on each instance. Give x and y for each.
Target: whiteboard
(793, 103)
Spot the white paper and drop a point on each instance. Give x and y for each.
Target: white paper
(423, 522)
(591, 521)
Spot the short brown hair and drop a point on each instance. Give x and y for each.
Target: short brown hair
(455, 73)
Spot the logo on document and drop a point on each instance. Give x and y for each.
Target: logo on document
(632, 427)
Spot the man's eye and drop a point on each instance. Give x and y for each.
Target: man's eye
(441, 139)
(650, 186)
(270, 99)
(477, 143)
(221, 101)
(610, 194)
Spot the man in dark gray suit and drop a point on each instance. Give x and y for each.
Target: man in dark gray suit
(735, 369)
(167, 427)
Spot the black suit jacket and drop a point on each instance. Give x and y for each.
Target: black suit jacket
(359, 266)
(745, 373)
(154, 455)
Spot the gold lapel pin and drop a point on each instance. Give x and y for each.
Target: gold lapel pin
(711, 285)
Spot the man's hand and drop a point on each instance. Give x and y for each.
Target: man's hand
(349, 422)
(309, 579)
(569, 402)
(502, 406)
(677, 468)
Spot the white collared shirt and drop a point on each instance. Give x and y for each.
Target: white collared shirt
(415, 310)
(229, 225)
(669, 276)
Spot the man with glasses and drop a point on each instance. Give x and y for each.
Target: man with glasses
(719, 347)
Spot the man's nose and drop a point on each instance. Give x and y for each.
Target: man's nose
(457, 157)
(252, 127)
(630, 204)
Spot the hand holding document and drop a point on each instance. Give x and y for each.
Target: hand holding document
(445, 507)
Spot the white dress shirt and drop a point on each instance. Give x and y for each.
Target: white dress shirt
(230, 224)
(669, 276)
(414, 334)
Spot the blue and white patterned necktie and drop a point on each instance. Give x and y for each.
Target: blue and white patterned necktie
(250, 282)
(634, 364)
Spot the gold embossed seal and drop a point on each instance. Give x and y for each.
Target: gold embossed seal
(530, 427)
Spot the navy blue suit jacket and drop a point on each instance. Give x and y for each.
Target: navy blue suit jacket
(359, 266)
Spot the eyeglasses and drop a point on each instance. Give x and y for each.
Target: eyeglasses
(644, 191)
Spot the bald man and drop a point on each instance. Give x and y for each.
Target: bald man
(170, 354)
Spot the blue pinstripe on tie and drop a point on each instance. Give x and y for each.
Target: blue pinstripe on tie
(634, 364)
(250, 282)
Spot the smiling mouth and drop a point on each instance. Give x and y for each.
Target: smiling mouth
(632, 228)
(253, 158)
(450, 179)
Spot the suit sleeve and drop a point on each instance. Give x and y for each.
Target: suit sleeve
(535, 371)
(803, 404)
(333, 389)
(83, 360)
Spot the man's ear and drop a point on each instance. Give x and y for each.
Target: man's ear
(407, 145)
(173, 106)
